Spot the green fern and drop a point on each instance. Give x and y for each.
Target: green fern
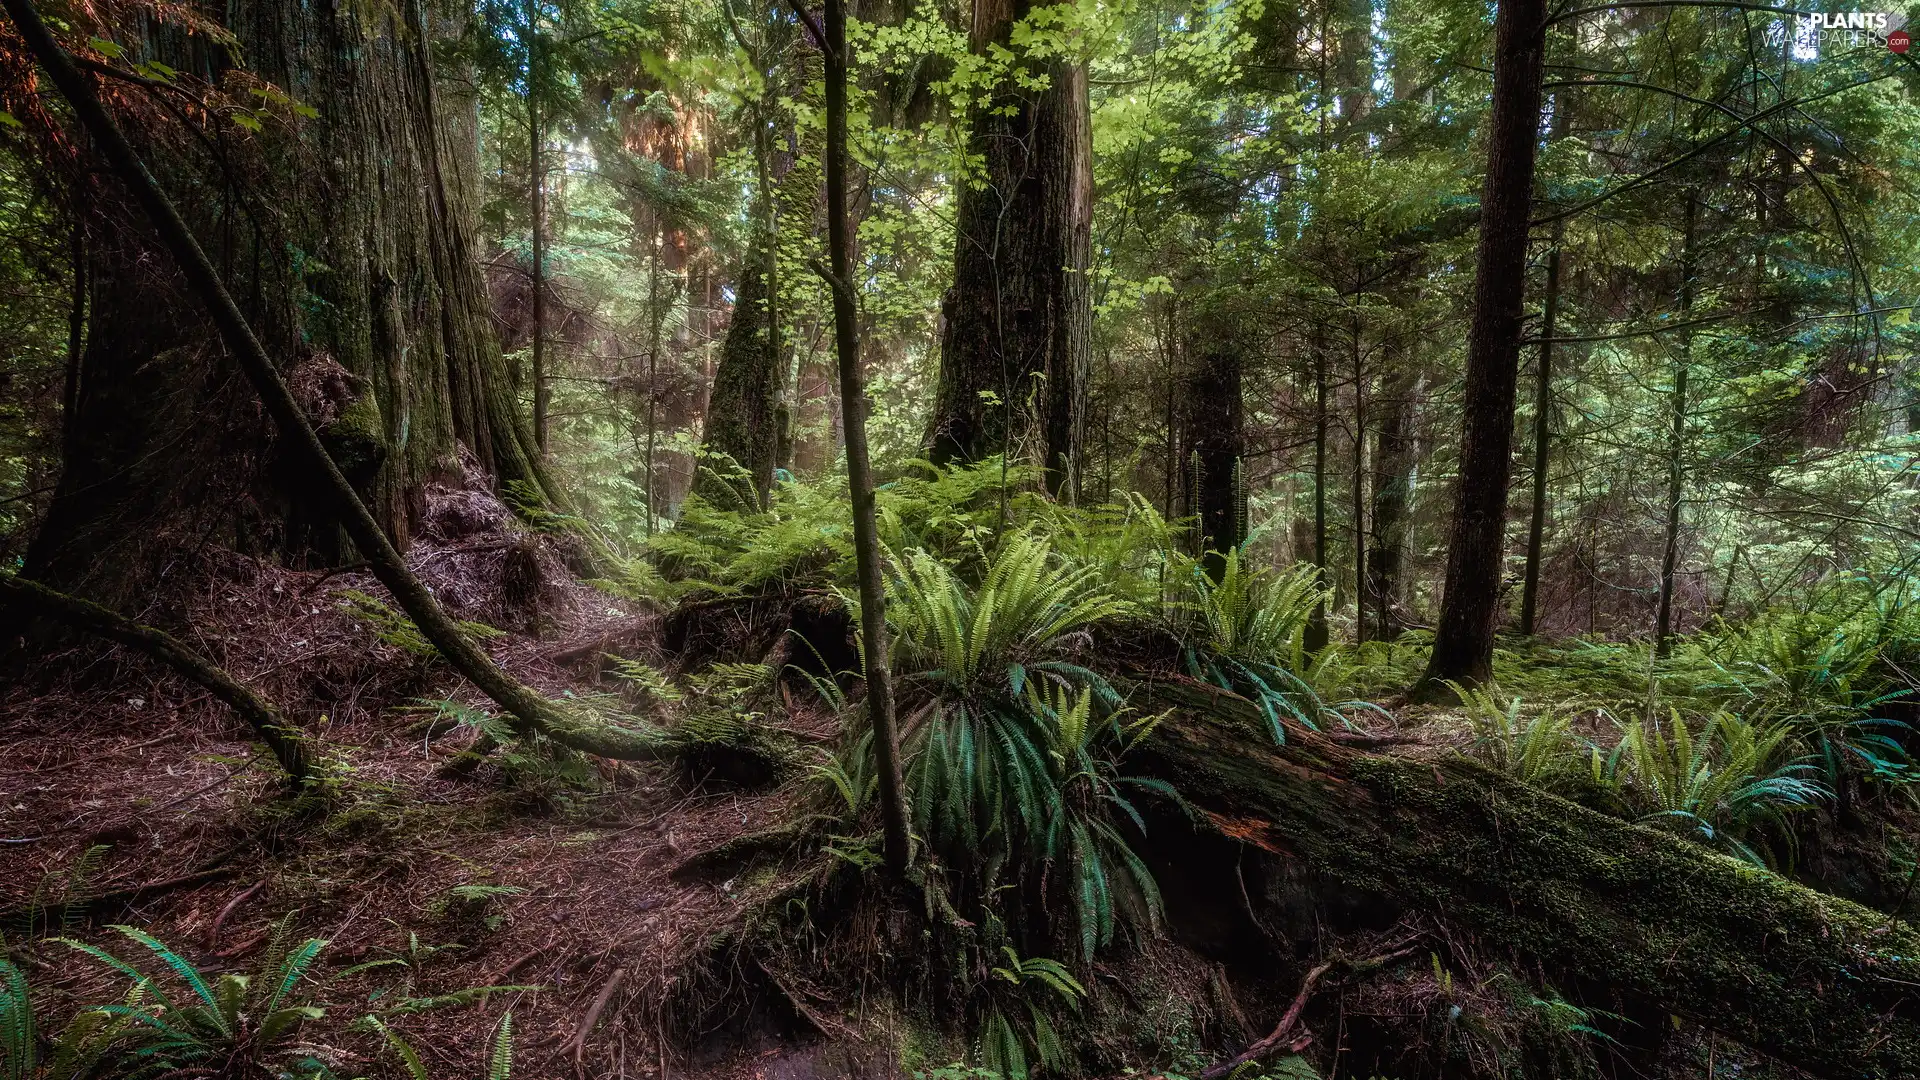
(1014, 754)
(1537, 749)
(1724, 786)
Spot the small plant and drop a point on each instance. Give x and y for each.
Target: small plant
(1014, 748)
(1537, 749)
(499, 1066)
(1252, 640)
(1016, 1030)
(228, 1019)
(1723, 786)
(87, 1046)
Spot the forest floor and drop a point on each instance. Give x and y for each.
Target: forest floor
(120, 776)
(119, 779)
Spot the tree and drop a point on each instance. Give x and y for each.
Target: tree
(742, 435)
(1215, 441)
(1476, 545)
(855, 405)
(360, 273)
(1017, 337)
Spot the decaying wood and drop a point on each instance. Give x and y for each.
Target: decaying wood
(1821, 983)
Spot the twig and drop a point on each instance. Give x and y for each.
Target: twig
(593, 1017)
(1284, 1029)
(213, 932)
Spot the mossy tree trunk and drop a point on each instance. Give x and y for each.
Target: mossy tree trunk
(743, 431)
(347, 236)
(1018, 322)
(1819, 982)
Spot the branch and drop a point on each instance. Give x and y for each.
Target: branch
(282, 738)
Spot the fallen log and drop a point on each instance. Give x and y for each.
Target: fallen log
(1819, 982)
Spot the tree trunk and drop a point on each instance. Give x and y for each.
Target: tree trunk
(1316, 633)
(1476, 548)
(1394, 458)
(1819, 982)
(1542, 435)
(1677, 441)
(742, 436)
(854, 406)
(359, 273)
(1214, 438)
(1018, 322)
(1359, 523)
(537, 212)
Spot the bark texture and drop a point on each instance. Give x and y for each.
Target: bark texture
(743, 431)
(1016, 342)
(1822, 983)
(1215, 438)
(347, 238)
(1476, 545)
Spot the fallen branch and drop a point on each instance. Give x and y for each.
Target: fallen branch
(1283, 1031)
(282, 738)
(579, 1040)
(213, 932)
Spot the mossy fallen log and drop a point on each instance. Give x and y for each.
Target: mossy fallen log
(1821, 983)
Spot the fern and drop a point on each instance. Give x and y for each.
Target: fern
(501, 1068)
(1537, 749)
(1723, 786)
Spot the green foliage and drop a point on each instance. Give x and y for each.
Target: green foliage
(227, 1018)
(1014, 747)
(393, 627)
(1537, 748)
(1823, 675)
(1251, 639)
(499, 1065)
(1727, 785)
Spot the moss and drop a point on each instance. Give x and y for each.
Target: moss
(1818, 981)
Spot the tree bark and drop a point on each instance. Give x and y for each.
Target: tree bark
(1018, 322)
(537, 211)
(1394, 458)
(1677, 442)
(1476, 548)
(1819, 982)
(359, 272)
(854, 407)
(1215, 440)
(742, 435)
(1542, 436)
(530, 714)
(1316, 635)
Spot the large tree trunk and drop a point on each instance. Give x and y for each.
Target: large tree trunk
(1017, 339)
(349, 243)
(742, 436)
(1822, 983)
(1214, 439)
(1476, 547)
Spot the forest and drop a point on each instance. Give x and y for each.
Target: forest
(959, 540)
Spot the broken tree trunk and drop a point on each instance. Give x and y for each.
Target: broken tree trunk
(1821, 983)
(282, 738)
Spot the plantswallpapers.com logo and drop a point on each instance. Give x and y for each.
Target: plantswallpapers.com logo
(1824, 31)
